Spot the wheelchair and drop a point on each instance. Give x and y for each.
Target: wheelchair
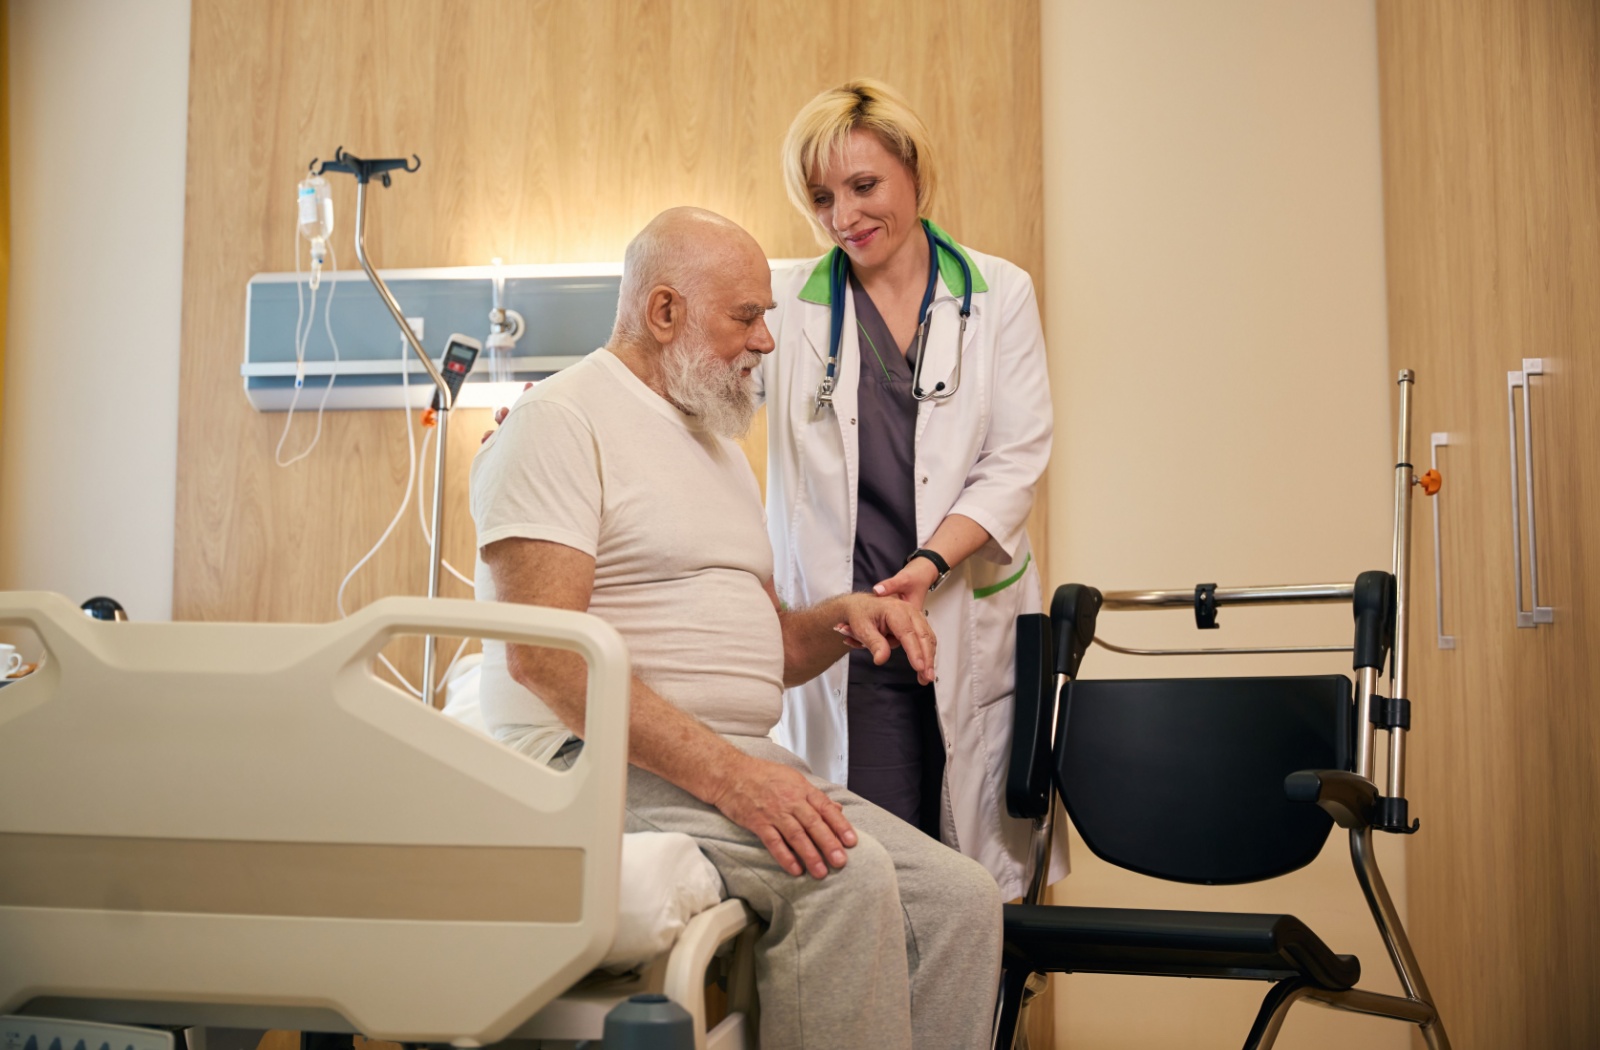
(1214, 781)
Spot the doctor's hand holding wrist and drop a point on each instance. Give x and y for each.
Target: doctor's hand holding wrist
(913, 583)
(956, 539)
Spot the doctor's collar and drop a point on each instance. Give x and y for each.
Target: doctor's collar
(816, 289)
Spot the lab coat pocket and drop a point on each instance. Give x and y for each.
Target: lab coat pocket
(994, 602)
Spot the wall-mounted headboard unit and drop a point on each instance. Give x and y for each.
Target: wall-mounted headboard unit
(569, 310)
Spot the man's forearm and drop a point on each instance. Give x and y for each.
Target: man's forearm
(810, 643)
(662, 738)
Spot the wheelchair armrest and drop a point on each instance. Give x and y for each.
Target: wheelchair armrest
(1048, 647)
(1348, 798)
(1028, 784)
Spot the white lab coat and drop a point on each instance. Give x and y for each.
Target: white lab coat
(980, 453)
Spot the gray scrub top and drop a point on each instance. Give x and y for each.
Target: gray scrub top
(886, 506)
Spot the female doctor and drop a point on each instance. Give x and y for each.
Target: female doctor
(909, 421)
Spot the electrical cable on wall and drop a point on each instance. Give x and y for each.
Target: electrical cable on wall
(405, 501)
(414, 479)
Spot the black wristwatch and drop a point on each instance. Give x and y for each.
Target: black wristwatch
(938, 563)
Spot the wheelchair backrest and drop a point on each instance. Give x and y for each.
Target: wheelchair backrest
(1182, 778)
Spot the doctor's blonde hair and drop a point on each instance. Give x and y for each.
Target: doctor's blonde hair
(824, 124)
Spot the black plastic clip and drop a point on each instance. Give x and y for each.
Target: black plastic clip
(1390, 815)
(365, 170)
(1205, 606)
(1391, 712)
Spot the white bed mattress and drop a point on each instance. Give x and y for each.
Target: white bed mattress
(666, 880)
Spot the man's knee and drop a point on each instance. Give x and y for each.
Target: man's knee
(965, 894)
(976, 882)
(869, 868)
(986, 904)
(865, 890)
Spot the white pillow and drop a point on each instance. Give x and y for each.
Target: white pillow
(461, 693)
(666, 881)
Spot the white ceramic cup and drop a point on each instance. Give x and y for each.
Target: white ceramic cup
(10, 660)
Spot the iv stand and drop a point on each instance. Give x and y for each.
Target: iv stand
(364, 171)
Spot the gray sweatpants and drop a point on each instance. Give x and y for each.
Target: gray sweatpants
(898, 949)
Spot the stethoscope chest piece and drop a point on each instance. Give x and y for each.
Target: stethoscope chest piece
(824, 395)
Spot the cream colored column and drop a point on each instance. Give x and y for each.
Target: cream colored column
(1216, 321)
(89, 427)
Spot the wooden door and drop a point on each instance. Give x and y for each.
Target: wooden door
(1492, 201)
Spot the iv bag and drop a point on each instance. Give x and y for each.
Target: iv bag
(316, 209)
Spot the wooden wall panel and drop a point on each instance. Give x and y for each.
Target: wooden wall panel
(1492, 201)
(549, 132)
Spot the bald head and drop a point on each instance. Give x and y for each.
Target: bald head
(689, 250)
(691, 315)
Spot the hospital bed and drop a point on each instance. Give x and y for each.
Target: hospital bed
(238, 827)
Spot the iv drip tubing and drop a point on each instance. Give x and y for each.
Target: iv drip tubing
(301, 338)
(405, 501)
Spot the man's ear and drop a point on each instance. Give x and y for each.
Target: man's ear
(664, 313)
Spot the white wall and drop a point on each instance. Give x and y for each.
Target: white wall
(88, 432)
(1215, 307)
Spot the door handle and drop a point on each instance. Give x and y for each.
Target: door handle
(1446, 641)
(1531, 366)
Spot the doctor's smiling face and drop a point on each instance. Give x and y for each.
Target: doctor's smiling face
(866, 198)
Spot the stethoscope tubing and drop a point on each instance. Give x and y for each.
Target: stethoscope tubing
(838, 279)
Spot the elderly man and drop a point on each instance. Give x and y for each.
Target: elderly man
(615, 488)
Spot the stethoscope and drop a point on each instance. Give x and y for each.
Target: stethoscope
(839, 276)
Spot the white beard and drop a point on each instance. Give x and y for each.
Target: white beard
(713, 392)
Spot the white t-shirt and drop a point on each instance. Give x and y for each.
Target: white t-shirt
(595, 460)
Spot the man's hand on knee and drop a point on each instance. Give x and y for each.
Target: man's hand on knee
(799, 825)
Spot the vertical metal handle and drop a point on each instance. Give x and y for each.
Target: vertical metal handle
(1531, 366)
(1400, 654)
(1404, 480)
(1446, 641)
